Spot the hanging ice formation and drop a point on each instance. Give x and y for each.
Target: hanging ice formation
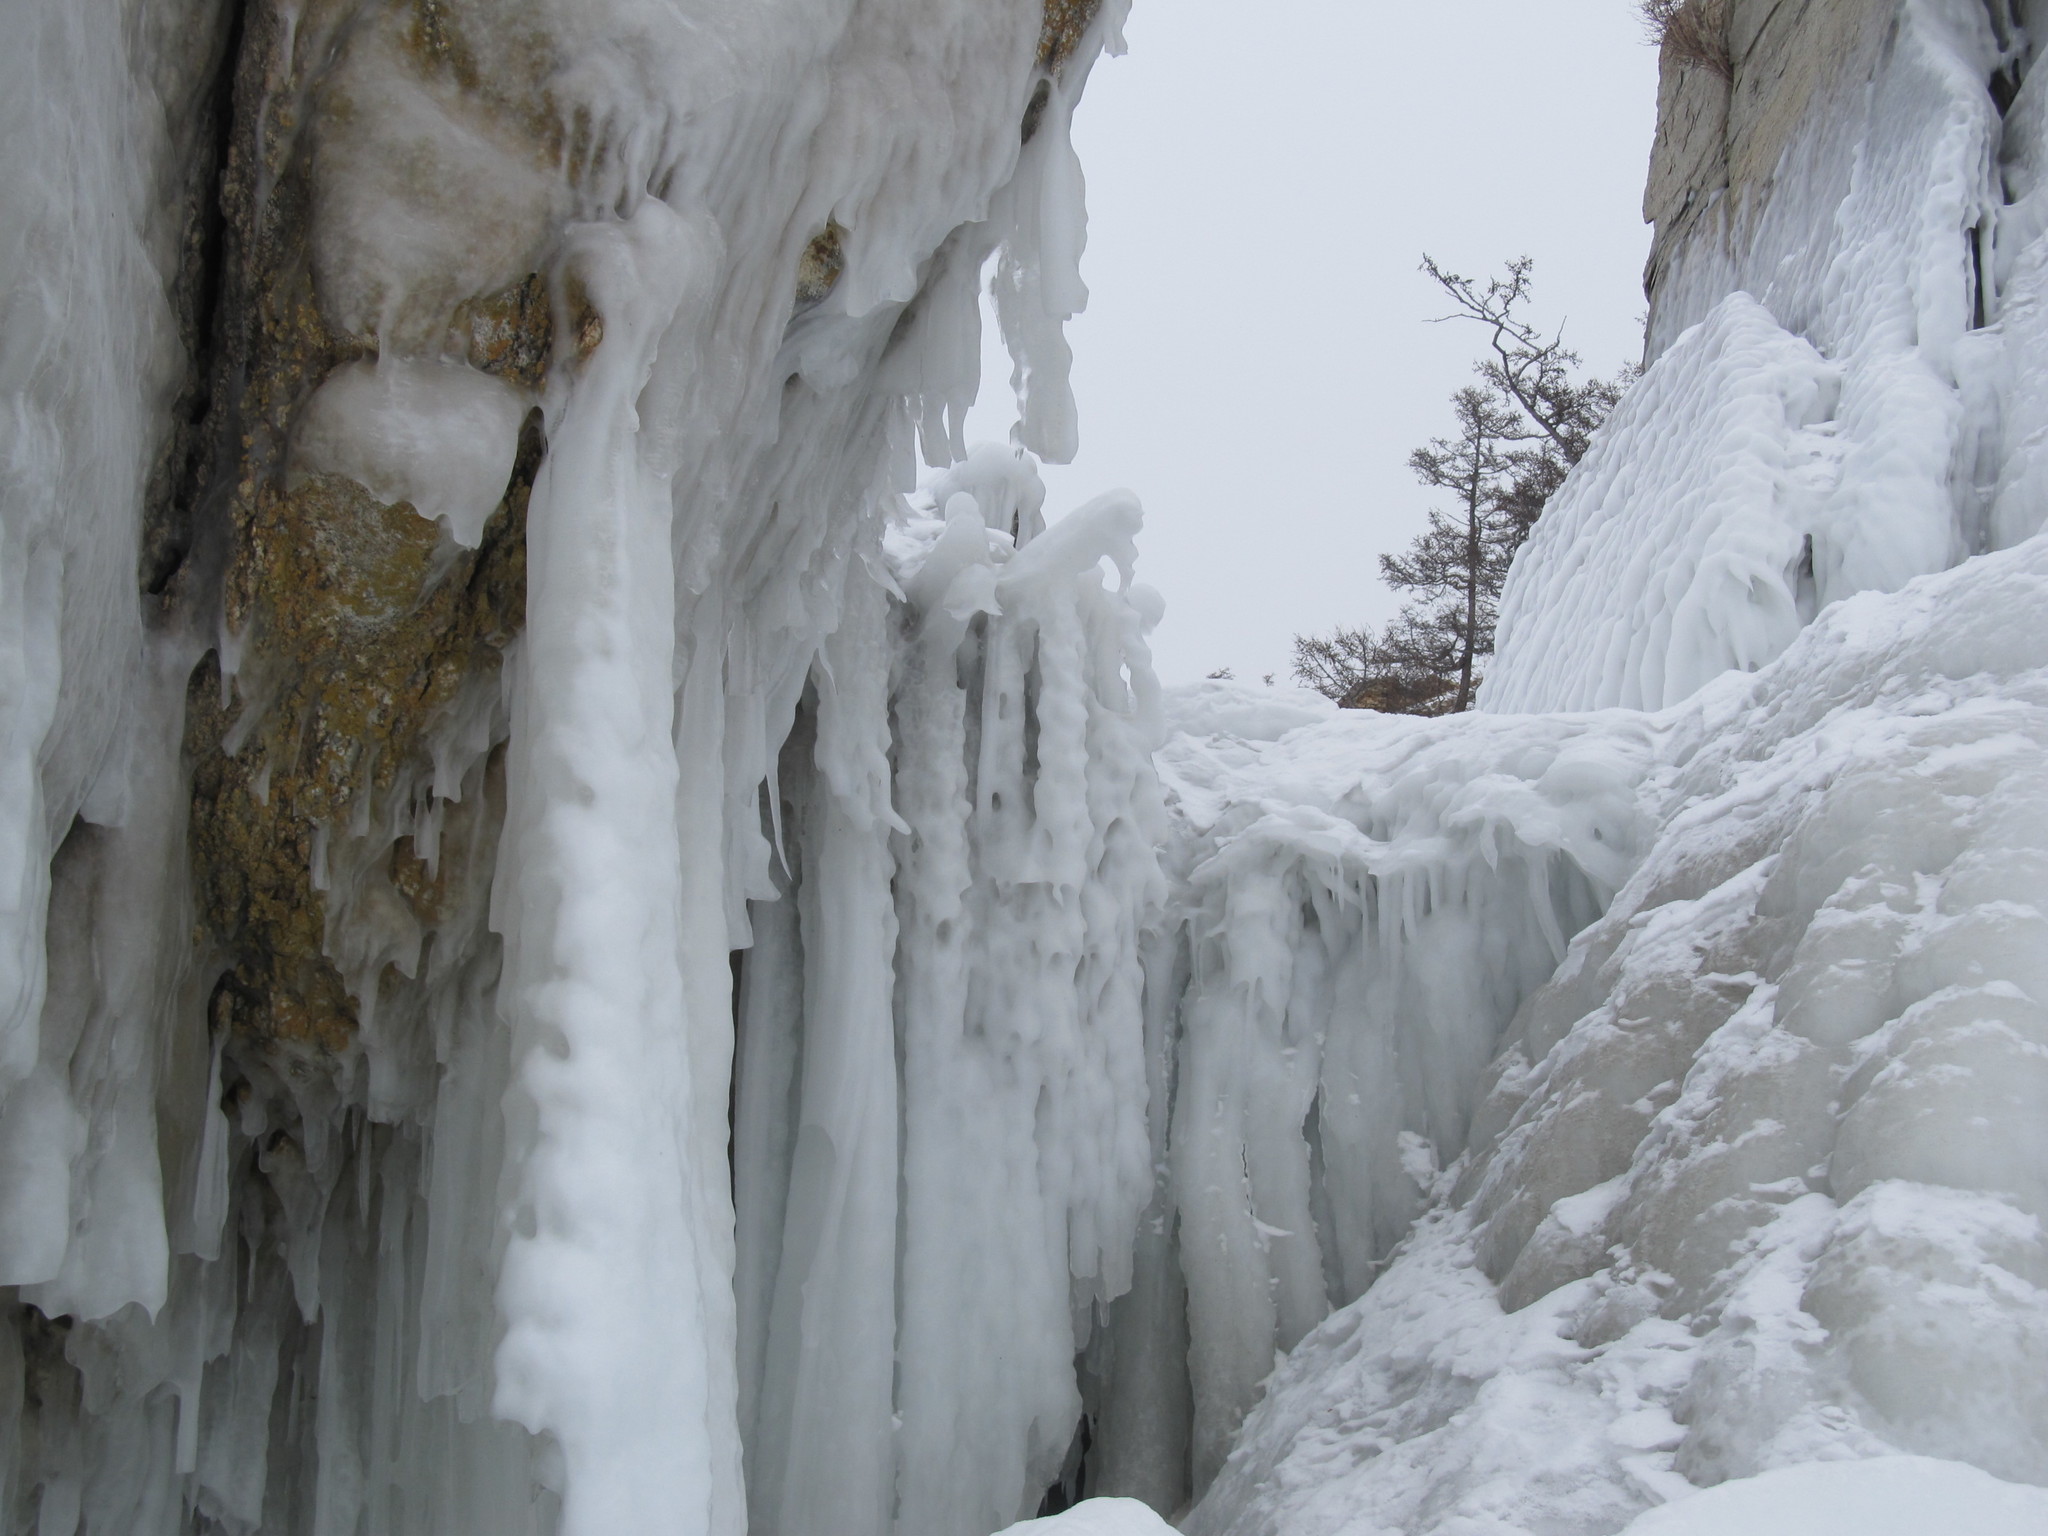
(507, 409)
(579, 960)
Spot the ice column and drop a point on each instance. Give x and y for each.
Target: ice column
(601, 1290)
(972, 954)
(816, 1280)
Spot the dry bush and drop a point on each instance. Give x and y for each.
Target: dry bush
(1695, 31)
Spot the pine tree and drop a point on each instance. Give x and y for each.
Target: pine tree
(1530, 369)
(1520, 430)
(1458, 564)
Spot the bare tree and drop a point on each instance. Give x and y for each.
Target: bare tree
(1401, 670)
(1532, 369)
(1332, 664)
(1538, 373)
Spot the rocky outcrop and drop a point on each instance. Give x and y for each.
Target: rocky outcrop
(1721, 137)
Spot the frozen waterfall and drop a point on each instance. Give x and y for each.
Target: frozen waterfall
(580, 953)
(653, 1006)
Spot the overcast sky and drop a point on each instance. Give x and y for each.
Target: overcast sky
(1255, 360)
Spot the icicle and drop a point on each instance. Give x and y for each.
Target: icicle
(600, 1283)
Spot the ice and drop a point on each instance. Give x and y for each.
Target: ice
(1890, 1496)
(425, 196)
(1819, 416)
(437, 435)
(1366, 902)
(589, 900)
(1751, 1182)
(519, 1255)
(873, 1060)
(1011, 879)
(1683, 546)
(89, 366)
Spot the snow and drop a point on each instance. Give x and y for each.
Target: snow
(1222, 707)
(437, 435)
(875, 1044)
(1750, 1181)
(1096, 1517)
(1888, 1496)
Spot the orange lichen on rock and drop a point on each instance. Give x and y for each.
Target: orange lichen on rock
(1066, 22)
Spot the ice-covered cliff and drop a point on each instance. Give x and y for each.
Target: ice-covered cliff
(1651, 1094)
(577, 954)
(469, 679)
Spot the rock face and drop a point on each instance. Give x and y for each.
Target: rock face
(1722, 137)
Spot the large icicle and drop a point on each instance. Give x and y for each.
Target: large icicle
(980, 940)
(606, 1343)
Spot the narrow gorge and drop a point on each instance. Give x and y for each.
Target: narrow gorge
(605, 928)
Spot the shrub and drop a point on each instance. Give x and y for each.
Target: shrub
(1694, 31)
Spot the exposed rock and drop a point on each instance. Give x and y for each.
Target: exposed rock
(817, 272)
(510, 332)
(1065, 23)
(1720, 140)
(372, 630)
(361, 628)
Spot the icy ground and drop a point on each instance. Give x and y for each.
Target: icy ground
(1892, 1496)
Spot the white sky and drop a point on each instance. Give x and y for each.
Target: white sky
(1254, 362)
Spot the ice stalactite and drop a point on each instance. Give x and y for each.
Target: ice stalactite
(503, 406)
(606, 1291)
(973, 955)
